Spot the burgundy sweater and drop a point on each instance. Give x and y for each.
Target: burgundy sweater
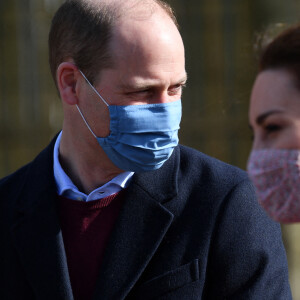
(86, 228)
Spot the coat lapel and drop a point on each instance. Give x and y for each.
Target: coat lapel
(37, 235)
(140, 228)
(142, 225)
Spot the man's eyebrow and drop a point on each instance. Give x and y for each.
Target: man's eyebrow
(183, 79)
(260, 119)
(147, 85)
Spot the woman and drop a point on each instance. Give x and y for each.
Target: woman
(274, 163)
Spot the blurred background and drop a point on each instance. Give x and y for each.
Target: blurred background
(219, 36)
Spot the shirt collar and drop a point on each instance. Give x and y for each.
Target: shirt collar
(66, 188)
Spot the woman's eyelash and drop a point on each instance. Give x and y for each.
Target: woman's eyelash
(272, 127)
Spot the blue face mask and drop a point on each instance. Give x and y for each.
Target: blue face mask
(142, 137)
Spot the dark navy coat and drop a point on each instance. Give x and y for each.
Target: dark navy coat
(190, 230)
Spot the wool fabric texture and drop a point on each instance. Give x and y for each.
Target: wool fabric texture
(86, 228)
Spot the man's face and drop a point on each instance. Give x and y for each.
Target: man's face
(149, 68)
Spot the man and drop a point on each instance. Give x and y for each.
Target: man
(113, 208)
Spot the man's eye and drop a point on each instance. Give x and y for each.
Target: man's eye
(138, 93)
(176, 89)
(142, 91)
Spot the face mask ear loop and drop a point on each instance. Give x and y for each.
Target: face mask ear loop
(86, 123)
(94, 89)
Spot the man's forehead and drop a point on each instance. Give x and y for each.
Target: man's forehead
(133, 28)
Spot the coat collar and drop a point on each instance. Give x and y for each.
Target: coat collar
(142, 225)
(140, 228)
(37, 233)
(161, 184)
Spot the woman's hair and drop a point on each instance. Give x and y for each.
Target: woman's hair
(283, 52)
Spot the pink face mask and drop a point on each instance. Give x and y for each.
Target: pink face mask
(276, 177)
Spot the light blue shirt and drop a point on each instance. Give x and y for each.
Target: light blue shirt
(66, 188)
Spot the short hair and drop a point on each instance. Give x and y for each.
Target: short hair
(283, 52)
(82, 29)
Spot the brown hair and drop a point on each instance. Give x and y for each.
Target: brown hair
(82, 29)
(283, 52)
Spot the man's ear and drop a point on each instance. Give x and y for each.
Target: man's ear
(67, 76)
